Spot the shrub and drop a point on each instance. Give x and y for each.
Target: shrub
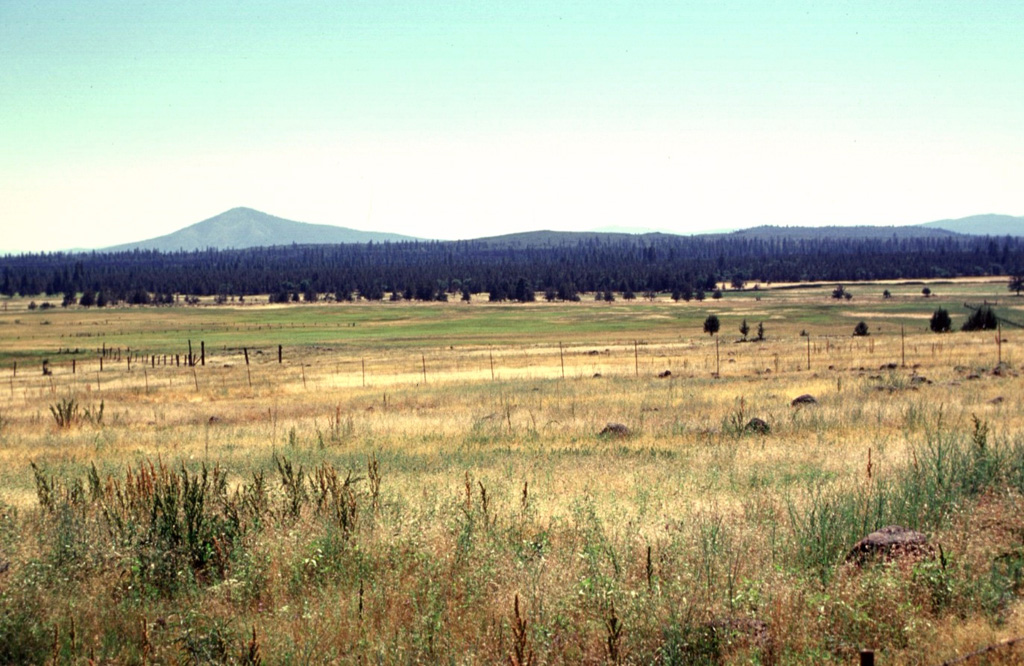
(861, 329)
(982, 319)
(940, 321)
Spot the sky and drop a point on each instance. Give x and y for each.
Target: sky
(121, 121)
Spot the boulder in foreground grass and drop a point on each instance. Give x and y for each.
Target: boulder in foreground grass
(616, 430)
(890, 542)
(805, 399)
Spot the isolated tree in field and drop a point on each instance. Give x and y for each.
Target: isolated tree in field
(699, 295)
(760, 330)
(1016, 282)
(886, 294)
(940, 321)
(982, 319)
(861, 329)
(744, 330)
(926, 292)
(839, 292)
(711, 324)
(716, 294)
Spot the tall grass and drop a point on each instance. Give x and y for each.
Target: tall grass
(480, 573)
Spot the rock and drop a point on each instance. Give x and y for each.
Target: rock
(665, 373)
(998, 400)
(742, 630)
(616, 430)
(597, 375)
(214, 419)
(973, 376)
(759, 426)
(888, 366)
(919, 379)
(805, 399)
(889, 542)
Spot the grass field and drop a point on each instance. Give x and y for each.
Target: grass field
(427, 483)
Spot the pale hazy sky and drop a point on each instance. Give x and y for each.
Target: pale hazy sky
(120, 121)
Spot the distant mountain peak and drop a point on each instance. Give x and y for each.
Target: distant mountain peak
(243, 227)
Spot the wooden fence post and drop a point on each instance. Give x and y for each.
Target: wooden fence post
(248, 375)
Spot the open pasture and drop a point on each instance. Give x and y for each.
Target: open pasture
(425, 483)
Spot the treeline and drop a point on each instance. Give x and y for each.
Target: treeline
(434, 270)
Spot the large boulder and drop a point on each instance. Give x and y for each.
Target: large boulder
(805, 399)
(891, 542)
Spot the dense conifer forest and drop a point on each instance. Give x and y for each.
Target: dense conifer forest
(630, 265)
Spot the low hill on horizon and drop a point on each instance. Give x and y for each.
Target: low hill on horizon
(981, 225)
(241, 228)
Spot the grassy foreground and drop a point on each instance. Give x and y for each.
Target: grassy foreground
(427, 483)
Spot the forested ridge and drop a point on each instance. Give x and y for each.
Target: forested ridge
(431, 270)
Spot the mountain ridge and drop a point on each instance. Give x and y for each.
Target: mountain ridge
(242, 227)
